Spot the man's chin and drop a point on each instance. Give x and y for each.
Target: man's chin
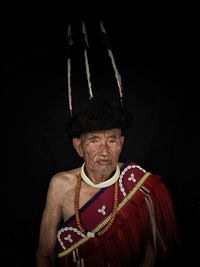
(105, 167)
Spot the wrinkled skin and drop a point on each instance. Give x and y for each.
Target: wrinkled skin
(100, 151)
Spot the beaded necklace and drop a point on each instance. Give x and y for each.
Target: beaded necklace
(112, 217)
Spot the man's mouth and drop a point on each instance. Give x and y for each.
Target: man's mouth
(103, 161)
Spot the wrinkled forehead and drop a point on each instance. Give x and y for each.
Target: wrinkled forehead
(115, 132)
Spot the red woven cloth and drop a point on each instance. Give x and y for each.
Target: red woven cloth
(124, 243)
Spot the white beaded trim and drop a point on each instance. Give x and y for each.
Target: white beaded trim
(75, 230)
(122, 176)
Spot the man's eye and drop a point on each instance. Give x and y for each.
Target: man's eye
(112, 140)
(93, 141)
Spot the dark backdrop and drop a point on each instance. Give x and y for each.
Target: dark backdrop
(157, 53)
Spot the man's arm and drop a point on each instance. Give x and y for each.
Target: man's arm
(45, 255)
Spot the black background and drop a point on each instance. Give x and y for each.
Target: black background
(157, 53)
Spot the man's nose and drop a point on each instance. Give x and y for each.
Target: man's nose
(103, 148)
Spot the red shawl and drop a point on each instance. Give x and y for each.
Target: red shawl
(145, 212)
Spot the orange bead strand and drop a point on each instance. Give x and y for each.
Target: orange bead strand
(113, 214)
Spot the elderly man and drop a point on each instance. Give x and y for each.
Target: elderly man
(105, 213)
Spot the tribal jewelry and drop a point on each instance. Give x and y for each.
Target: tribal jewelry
(113, 213)
(106, 183)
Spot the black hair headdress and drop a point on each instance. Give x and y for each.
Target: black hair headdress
(98, 113)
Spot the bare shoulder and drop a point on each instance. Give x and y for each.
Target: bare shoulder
(61, 189)
(64, 180)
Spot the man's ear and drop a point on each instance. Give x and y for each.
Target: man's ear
(77, 145)
(122, 140)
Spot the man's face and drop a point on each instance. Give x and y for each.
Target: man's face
(101, 150)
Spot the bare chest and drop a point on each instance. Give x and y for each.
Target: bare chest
(68, 208)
